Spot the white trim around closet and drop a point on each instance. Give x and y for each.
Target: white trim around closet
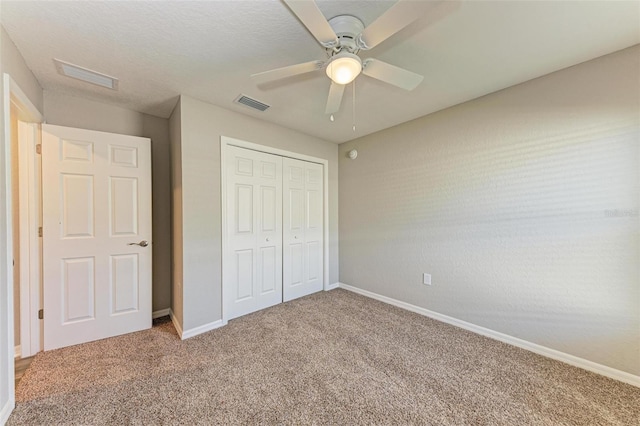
(226, 141)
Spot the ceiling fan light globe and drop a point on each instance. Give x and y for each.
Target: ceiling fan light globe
(344, 68)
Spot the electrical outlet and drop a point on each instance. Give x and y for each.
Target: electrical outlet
(426, 279)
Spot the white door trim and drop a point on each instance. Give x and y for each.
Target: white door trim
(11, 92)
(30, 243)
(226, 141)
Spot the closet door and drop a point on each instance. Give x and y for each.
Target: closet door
(303, 234)
(253, 260)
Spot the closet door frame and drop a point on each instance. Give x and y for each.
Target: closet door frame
(226, 141)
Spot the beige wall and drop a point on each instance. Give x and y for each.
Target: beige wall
(523, 205)
(12, 63)
(202, 125)
(157, 129)
(175, 132)
(71, 111)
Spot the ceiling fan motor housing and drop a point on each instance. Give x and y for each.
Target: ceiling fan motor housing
(347, 28)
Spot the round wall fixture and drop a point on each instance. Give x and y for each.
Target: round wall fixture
(353, 154)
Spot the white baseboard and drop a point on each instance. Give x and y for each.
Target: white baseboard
(6, 411)
(176, 324)
(202, 329)
(17, 351)
(185, 334)
(505, 338)
(160, 313)
(332, 286)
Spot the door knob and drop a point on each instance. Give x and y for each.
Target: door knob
(267, 239)
(296, 237)
(142, 243)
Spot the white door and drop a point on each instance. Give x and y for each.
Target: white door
(96, 190)
(303, 232)
(253, 260)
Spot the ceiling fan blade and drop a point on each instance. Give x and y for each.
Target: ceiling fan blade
(284, 72)
(335, 98)
(312, 18)
(393, 20)
(391, 74)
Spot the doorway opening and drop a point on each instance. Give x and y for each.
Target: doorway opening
(21, 124)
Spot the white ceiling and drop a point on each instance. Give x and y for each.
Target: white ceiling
(209, 49)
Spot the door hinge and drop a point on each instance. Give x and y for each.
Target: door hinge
(41, 314)
(39, 148)
(40, 231)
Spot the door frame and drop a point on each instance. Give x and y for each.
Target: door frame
(30, 187)
(12, 94)
(225, 142)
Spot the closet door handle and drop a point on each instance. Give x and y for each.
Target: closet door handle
(267, 239)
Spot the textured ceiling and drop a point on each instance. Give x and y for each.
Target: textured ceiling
(209, 49)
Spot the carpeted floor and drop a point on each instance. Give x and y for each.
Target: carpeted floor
(330, 358)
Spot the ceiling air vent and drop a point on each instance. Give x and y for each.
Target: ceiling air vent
(86, 75)
(252, 103)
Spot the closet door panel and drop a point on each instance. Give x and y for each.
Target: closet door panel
(253, 258)
(303, 231)
(274, 249)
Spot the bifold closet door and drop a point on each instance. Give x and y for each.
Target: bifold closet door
(253, 261)
(303, 231)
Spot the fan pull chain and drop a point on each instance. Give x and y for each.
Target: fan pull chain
(354, 105)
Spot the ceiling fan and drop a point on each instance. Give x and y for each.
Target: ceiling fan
(343, 37)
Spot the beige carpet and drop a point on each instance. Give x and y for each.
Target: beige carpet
(330, 358)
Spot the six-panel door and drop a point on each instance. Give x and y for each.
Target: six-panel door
(303, 228)
(253, 261)
(96, 193)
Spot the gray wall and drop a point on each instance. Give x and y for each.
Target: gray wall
(202, 125)
(71, 111)
(523, 205)
(12, 63)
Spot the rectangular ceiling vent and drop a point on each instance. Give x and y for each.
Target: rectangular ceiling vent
(252, 103)
(86, 75)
